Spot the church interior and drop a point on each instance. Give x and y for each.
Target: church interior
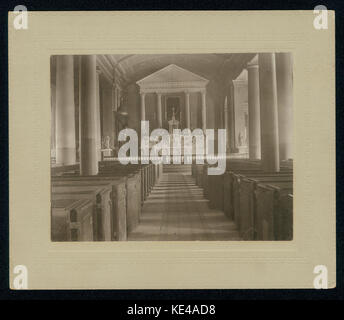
(94, 197)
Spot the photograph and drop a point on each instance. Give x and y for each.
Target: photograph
(172, 147)
(172, 150)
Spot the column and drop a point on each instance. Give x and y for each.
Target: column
(231, 120)
(118, 98)
(88, 111)
(187, 110)
(253, 111)
(53, 123)
(204, 112)
(98, 119)
(65, 111)
(114, 97)
(107, 114)
(225, 124)
(268, 112)
(114, 108)
(159, 111)
(284, 75)
(143, 108)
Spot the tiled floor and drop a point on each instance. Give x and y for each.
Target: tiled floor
(176, 210)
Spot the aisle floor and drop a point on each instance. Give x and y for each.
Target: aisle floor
(176, 210)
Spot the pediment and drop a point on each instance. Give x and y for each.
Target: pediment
(172, 76)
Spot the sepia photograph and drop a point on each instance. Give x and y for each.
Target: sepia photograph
(172, 150)
(172, 147)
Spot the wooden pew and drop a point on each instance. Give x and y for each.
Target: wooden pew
(143, 192)
(145, 181)
(119, 206)
(68, 169)
(274, 210)
(109, 164)
(216, 189)
(232, 198)
(227, 195)
(152, 180)
(239, 164)
(214, 185)
(199, 175)
(133, 187)
(148, 178)
(152, 168)
(217, 186)
(72, 220)
(205, 181)
(115, 168)
(230, 186)
(161, 168)
(245, 206)
(156, 173)
(133, 201)
(101, 197)
(142, 186)
(140, 180)
(193, 170)
(149, 168)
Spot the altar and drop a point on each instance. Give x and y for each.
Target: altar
(173, 87)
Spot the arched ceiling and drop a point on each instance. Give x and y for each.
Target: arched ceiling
(126, 69)
(221, 67)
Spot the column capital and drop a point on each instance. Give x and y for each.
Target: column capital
(142, 94)
(159, 94)
(239, 82)
(252, 64)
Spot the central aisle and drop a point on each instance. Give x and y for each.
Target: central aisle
(176, 210)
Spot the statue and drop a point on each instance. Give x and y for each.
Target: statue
(106, 142)
(240, 139)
